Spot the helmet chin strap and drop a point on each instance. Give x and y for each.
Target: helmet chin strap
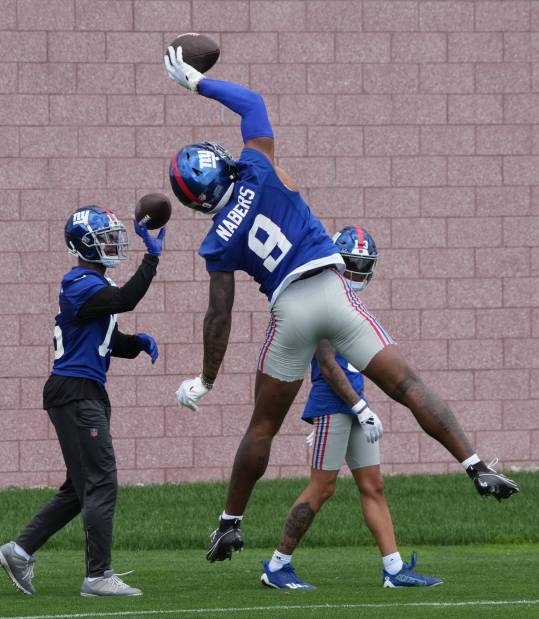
(356, 286)
(224, 200)
(110, 262)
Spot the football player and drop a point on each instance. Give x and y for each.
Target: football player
(341, 435)
(85, 336)
(262, 225)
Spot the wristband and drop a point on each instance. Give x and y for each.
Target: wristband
(359, 407)
(206, 382)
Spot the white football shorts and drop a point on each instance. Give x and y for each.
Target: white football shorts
(322, 306)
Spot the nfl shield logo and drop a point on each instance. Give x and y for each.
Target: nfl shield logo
(93, 432)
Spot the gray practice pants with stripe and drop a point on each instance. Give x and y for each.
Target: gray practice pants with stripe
(320, 307)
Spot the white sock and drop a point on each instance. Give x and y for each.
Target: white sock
(21, 552)
(474, 459)
(278, 561)
(88, 579)
(226, 516)
(393, 563)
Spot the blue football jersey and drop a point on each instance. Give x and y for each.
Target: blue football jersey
(322, 399)
(82, 348)
(267, 230)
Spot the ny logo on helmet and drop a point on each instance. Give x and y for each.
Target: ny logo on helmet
(81, 218)
(207, 159)
(112, 218)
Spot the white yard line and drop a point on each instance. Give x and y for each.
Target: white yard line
(251, 609)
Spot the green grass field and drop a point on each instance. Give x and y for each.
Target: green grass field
(486, 552)
(183, 580)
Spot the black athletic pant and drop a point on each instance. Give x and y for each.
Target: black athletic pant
(83, 429)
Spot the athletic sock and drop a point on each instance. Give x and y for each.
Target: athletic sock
(473, 459)
(22, 552)
(278, 561)
(474, 465)
(226, 521)
(393, 563)
(225, 516)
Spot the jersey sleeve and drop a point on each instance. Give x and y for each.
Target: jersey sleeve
(253, 157)
(112, 299)
(217, 255)
(82, 288)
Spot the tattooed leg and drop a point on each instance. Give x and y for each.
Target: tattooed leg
(301, 515)
(390, 371)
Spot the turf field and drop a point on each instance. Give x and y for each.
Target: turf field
(487, 553)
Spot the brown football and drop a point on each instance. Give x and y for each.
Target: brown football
(199, 50)
(154, 210)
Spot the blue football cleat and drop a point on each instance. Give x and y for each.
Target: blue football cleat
(408, 578)
(285, 578)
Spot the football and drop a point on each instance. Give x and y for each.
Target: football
(199, 50)
(154, 210)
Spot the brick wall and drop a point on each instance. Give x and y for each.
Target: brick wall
(418, 119)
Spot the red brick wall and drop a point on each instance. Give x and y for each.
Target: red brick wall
(417, 119)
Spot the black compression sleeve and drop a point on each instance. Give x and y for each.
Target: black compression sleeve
(115, 300)
(126, 346)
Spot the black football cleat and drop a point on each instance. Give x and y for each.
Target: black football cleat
(224, 540)
(491, 483)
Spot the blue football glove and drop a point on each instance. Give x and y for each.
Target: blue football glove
(154, 245)
(148, 345)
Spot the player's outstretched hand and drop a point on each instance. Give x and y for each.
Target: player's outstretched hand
(492, 483)
(190, 392)
(148, 345)
(181, 72)
(369, 421)
(154, 244)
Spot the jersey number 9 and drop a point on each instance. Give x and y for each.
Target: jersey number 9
(275, 239)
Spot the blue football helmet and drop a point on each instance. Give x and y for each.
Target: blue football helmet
(95, 234)
(203, 176)
(358, 250)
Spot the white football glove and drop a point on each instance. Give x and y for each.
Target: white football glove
(190, 392)
(369, 421)
(181, 72)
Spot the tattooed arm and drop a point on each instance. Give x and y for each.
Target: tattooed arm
(217, 322)
(334, 374)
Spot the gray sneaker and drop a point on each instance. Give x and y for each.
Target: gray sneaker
(108, 584)
(18, 569)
